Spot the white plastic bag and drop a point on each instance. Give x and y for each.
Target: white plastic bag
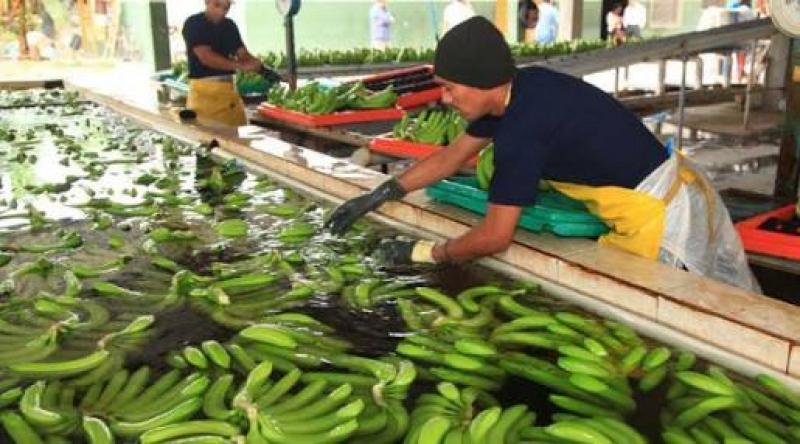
(698, 232)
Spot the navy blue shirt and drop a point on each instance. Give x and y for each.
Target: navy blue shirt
(560, 128)
(222, 37)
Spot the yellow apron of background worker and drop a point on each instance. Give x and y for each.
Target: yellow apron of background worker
(217, 100)
(675, 216)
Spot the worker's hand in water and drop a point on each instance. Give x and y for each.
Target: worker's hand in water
(349, 212)
(397, 253)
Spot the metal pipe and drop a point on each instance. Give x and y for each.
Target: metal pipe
(682, 101)
(748, 97)
(288, 23)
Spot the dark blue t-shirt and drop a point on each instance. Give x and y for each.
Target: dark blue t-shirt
(222, 37)
(560, 128)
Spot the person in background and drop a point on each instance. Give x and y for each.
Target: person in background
(552, 126)
(531, 19)
(616, 30)
(456, 12)
(380, 25)
(634, 19)
(528, 16)
(742, 13)
(547, 24)
(215, 51)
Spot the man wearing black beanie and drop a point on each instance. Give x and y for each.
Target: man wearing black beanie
(553, 127)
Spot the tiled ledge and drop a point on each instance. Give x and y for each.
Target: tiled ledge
(757, 328)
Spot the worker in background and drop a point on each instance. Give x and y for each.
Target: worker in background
(380, 25)
(215, 51)
(742, 12)
(616, 30)
(634, 19)
(456, 12)
(550, 126)
(528, 16)
(547, 23)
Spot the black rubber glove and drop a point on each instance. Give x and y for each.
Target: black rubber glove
(394, 253)
(400, 253)
(349, 212)
(270, 75)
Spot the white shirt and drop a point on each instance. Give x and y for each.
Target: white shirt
(455, 13)
(636, 15)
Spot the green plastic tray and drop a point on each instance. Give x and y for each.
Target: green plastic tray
(553, 212)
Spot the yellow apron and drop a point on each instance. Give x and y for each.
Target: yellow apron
(674, 216)
(636, 219)
(216, 100)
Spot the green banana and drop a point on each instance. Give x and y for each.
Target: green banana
(133, 388)
(324, 422)
(655, 358)
(269, 335)
(577, 432)
(30, 405)
(188, 428)
(60, 369)
(704, 408)
(216, 353)
(111, 390)
(18, 429)
(97, 431)
(195, 357)
(214, 400)
(180, 412)
(450, 307)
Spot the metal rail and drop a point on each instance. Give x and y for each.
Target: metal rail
(730, 36)
(675, 47)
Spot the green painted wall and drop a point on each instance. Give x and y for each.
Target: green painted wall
(342, 24)
(135, 22)
(333, 24)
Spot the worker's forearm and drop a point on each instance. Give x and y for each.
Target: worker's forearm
(213, 60)
(474, 244)
(428, 171)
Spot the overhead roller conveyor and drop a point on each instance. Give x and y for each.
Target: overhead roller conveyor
(730, 36)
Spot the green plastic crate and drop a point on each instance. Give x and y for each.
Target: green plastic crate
(553, 212)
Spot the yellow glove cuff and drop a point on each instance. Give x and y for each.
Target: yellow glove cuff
(423, 252)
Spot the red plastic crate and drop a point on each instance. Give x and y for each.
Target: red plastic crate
(420, 98)
(397, 73)
(340, 118)
(407, 150)
(766, 242)
(411, 99)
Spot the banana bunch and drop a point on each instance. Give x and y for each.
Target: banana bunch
(57, 410)
(365, 99)
(313, 98)
(468, 361)
(311, 407)
(453, 416)
(710, 407)
(297, 232)
(590, 373)
(575, 429)
(373, 291)
(59, 337)
(432, 126)
(61, 240)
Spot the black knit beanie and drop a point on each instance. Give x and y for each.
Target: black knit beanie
(474, 53)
